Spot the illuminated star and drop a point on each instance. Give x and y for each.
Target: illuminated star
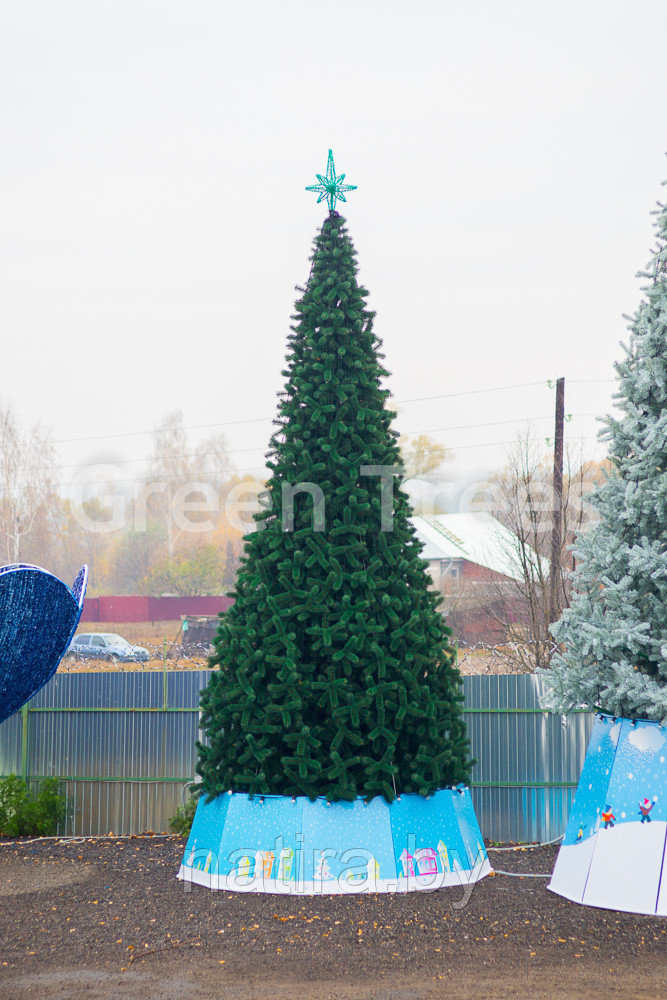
(330, 186)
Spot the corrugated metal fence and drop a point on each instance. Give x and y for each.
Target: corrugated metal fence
(123, 744)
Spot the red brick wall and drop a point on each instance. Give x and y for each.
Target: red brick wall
(473, 571)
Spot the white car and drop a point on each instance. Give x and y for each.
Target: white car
(106, 646)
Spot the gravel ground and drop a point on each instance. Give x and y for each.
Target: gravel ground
(107, 918)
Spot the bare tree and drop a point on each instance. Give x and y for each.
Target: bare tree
(211, 463)
(72, 545)
(168, 471)
(180, 478)
(524, 503)
(27, 477)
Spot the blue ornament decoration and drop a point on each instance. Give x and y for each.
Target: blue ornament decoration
(39, 615)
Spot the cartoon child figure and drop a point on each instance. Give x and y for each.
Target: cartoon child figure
(607, 817)
(580, 831)
(644, 809)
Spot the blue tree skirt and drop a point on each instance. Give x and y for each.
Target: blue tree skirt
(39, 615)
(614, 849)
(294, 846)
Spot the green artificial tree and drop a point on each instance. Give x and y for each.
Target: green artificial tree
(614, 634)
(335, 670)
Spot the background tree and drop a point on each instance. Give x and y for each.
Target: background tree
(27, 477)
(66, 544)
(180, 474)
(614, 634)
(132, 557)
(190, 573)
(161, 543)
(423, 458)
(335, 672)
(521, 498)
(524, 505)
(169, 470)
(212, 464)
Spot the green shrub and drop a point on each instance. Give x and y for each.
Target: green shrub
(182, 821)
(27, 814)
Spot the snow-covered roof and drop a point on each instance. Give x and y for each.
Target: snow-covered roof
(477, 537)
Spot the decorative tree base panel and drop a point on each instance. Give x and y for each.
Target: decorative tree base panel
(278, 844)
(614, 850)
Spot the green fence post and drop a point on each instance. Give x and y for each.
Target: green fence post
(164, 674)
(24, 742)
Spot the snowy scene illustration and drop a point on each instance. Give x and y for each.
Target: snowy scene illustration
(285, 845)
(614, 845)
(623, 781)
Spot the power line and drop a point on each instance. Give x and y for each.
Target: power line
(263, 447)
(256, 420)
(497, 444)
(211, 472)
(191, 427)
(490, 423)
(473, 392)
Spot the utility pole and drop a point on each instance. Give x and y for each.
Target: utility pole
(557, 528)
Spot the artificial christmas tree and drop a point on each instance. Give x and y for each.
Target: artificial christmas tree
(614, 636)
(335, 671)
(335, 677)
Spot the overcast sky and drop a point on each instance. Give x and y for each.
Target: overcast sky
(154, 222)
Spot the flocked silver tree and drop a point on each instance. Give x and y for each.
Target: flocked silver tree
(614, 633)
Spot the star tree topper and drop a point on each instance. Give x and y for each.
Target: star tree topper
(330, 186)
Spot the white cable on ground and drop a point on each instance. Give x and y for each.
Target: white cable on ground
(148, 836)
(75, 840)
(497, 871)
(525, 847)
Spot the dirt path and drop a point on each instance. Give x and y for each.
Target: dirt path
(108, 919)
(204, 981)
